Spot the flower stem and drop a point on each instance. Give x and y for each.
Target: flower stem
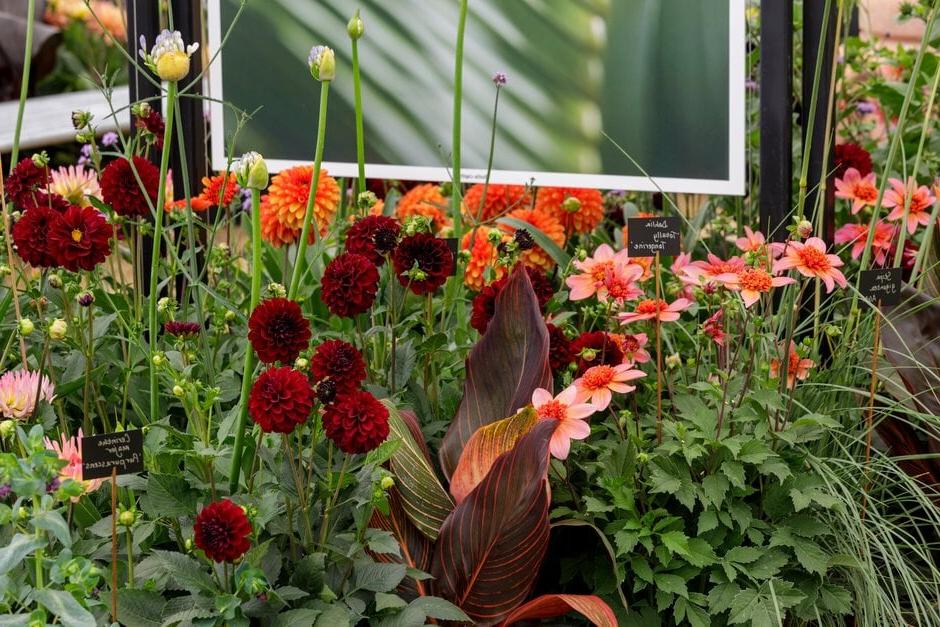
(24, 82)
(311, 200)
(456, 196)
(360, 135)
(248, 370)
(157, 241)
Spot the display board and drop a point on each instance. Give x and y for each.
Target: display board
(662, 80)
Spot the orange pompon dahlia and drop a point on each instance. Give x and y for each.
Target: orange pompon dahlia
(552, 228)
(212, 192)
(500, 200)
(578, 210)
(283, 207)
(425, 200)
(482, 256)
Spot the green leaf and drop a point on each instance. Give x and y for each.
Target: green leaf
(140, 608)
(744, 554)
(168, 495)
(20, 546)
(384, 542)
(332, 616)
(715, 487)
(53, 522)
(835, 599)
(441, 609)
(700, 553)
(735, 473)
(768, 565)
(776, 467)
(673, 584)
(641, 569)
(721, 597)
(384, 601)
(303, 617)
(811, 556)
(755, 452)
(378, 577)
(64, 606)
(185, 572)
(676, 541)
(707, 521)
(553, 250)
(694, 409)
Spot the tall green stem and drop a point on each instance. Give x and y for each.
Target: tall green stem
(456, 195)
(360, 134)
(24, 84)
(153, 295)
(248, 370)
(311, 200)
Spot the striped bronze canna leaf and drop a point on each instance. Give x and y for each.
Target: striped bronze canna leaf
(503, 369)
(552, 605)
(414, 546)
(492, 545)
(423, 498)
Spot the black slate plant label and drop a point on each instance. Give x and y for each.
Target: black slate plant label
(648, 236)
(123, 450)
(882, 285)
(452, 244)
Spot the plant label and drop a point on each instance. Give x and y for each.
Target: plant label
(881, 285)
(648, 236)
(122, 450)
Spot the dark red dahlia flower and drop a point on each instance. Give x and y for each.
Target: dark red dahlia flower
(349, 285)
(45, 199)
(280, 399)
(81, 239)
(31, 236)
(221, 530)
(594, 349)
(120, 189)
(373, 237)
(357, 422)
(484, 303)
(559, 348)
(182, 330)
(26, 179)
(278, 330)
(339, 362)
(851, 155)
(431, 257)
(152, 123)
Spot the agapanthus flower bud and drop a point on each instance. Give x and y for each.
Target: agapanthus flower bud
(252, 171)
(169, 57)
(355, 28)
(322, 63)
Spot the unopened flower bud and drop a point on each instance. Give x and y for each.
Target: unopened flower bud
(322, 63)
(158, 359)
(366, 200)
(229, 315)
(275, 290)
(387, 482)
(571, 204)
(6, 428)
(500, 79)
(127, 518)
(58, 329)
(252, 171)
(588, 354)
(355, 28)
(463, 256)
(178, 391)
(41, 159)
(5, 269)
(164, 304)
(833, 331)
(85, 137)
(85, 299)
(673, 361)
(524, 239)
(26, 326)
(301, 363)
(804, 229)
(188, 545)
(642, 458)
(55, 281)
(582, 254)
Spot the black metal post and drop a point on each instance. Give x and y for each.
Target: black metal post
(814, 15)
(143, 18)
(776, 116)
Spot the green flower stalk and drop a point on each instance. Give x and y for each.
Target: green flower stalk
(24, 85)
(355, 29)
(456, 195)
(323, 68)
(252, 173)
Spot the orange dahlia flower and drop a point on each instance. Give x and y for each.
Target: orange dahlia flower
(552, 228)
(585, 219)
(283, 207)
(425, 200)
(212, 189)
(482, 255)
(500, 199)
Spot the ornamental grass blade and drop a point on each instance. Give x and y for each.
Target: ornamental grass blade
(553, 605)
(423, 498)
(503, 369)
(492, 545)
(484, 446)
(415, 547)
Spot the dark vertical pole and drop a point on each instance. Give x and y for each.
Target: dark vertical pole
(143, 18)
(854, 29)
(814, 12)
(776, 116)
(187, 18)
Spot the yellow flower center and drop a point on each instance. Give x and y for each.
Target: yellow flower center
(76, 235)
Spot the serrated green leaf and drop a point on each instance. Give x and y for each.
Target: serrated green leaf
(707, 521)
(140, 608)
(811, 556)
(378, 577)
(441, 609)
(734, 471)
(715, 488)
(673, 584)
(168, 495)
(700, 553)
(384, 601)
(65, 607)
(303, 617)
(744, 554)
(20, 546)
(768, 565)
(53, 522)
(641, 569)
(185, 572)
(755, 452)
(676, 541)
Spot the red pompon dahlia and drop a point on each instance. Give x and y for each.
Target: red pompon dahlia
(278, 330)
(484, 303)
(280, 399)
(81, 239)
(221, 530)
(49, 200)
(120, 189)
(182, 330)
(26, 179)
(349, 285)
(594, 349)
(423, 262)
(357, 422)
(560, 354)
(851, 155)
(373, 237)
(339, 362)
(31, 236)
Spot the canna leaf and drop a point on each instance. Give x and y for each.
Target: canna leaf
(551, 605)
(415, 546)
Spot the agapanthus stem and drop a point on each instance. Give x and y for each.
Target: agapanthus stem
(24, 82)
(153, 295)
(248, 370)
(300, 261)
(455, 193)
(360, 134)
